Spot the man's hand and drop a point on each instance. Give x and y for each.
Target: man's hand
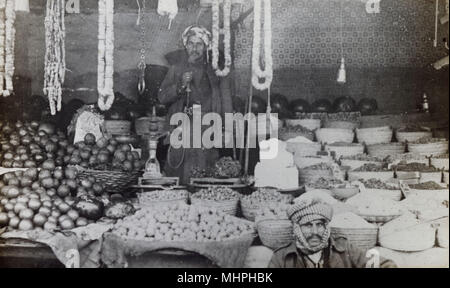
(186, 79)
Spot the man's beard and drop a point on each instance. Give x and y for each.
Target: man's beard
(195, 57)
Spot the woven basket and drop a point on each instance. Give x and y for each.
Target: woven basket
(303, 149)
(249, 212)
(430, 176)
(440, 163)
(441, 194)
(113, 181)
(144, 125)
(229, 207)
(372, 136)
(182, 199)
(303, 162)
(285, 136)
(355, 164)
(446, 178)
(430, 149)
(379, 219)
(345, 151)
(412, 136)
(395, 195)
(344, 193)
(311, 176)
(331, 135)
(364, 239)
(118, 127)
(382, 175)
(275, 234)
(385, 150)
(311, 124)
(341, 125)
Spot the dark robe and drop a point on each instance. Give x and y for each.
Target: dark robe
(213, 93)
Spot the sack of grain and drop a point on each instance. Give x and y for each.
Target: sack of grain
(357, 231)
(373, 136)
(442, 235)
(407, 234)
(432, 258)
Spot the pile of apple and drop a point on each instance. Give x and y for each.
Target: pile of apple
(103, 154)
(181, 222)
(29, 145)
(49, 199)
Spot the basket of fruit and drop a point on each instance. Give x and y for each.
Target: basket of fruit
(429, 147)
(275, 230)
(345, 149)
(354, 228)
(223, 199)
(310, 124)
(373, 136)
(115, 165)
(163, 197)
(370, 171)
(292, 132)
(220, 237)
(313, 173)
(428, 189)
(252, 204)
(382, 189)
(386, 150)
(440, 162)
(356, 161)
(412, 134)
(333, 135)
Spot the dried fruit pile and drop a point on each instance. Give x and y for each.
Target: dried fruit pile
(327, 184)
(227, 167)
(345, 116)
(156, 196)
(181, 223)
(378, 184)
(216, 194)
(416, 167)
(371, 168)
(364, 157)
(266, 196)
(426, 186)
(428, 141)
(274, 211)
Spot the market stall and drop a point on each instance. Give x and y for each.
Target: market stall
(99, 174)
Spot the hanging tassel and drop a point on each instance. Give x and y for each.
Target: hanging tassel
(342, 75)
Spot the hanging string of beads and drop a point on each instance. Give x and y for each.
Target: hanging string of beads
(216, 36)
(257, 72)
(7, 46)
(55, 59)
(143, 50)
(105, 73)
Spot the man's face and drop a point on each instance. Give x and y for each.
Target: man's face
(313, 232)
(195, 48)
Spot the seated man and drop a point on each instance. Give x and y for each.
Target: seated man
(313, 246)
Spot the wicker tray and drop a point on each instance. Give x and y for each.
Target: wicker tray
(345, 151)
(395, 195)
(229, 207)
(113, 181)
(331, 135)
(412, 136)
(379, 219)
(275, 234)
(373, 136)
(440, 163)
(383, 176)
(362, 238)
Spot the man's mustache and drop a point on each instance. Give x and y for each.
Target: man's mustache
(314, 237)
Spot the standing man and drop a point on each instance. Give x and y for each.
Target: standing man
(313, 246)
(193, 82)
